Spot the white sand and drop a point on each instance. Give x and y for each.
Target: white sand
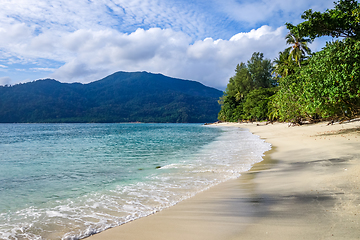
(306, 188)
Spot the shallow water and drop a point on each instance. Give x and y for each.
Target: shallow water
(68, 181)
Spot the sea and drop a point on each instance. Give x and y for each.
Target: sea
(69, 181)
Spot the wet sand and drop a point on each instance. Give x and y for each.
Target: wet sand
(307, 187)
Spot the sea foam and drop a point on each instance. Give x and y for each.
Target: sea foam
(192, 158)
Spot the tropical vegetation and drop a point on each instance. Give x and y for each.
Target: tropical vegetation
(120, 97)
(324, 85)
(248, 92)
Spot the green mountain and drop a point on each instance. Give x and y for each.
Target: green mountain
(120, 97)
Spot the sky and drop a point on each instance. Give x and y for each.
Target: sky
(86, 40)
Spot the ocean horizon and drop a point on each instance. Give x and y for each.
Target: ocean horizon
(69, 181)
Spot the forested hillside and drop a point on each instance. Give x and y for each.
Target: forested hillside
(120, 97)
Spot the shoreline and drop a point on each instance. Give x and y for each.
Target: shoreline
(307, 187)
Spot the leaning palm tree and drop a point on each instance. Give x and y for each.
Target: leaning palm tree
(299, 47)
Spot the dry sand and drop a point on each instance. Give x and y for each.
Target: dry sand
(307, 187)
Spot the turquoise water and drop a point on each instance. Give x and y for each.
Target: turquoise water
(68, 181)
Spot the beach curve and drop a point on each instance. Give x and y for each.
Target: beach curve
(306, 188)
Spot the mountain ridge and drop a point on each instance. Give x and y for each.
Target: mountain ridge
(119, 97)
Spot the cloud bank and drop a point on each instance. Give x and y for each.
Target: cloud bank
(165, 51)
(89, 55)
(86, 40)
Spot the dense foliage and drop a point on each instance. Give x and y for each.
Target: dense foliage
(327, 84)
(120, 97)
(247, 94)
(310, 86)
(332, 80)
(342, 21)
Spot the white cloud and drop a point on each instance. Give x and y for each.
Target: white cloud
(17, 32)
(109, 51)
(92, 39)
(57, 15)
(264, 31)
(166, 51)
(42, 69)
(127, 15)
(5, 81)
(89, 55)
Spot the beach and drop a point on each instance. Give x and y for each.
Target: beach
(307, 187)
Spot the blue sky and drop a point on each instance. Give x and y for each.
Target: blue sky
(86, 40)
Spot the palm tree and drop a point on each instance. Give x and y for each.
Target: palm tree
(280, 68)
(299, 47)
(284, 65)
